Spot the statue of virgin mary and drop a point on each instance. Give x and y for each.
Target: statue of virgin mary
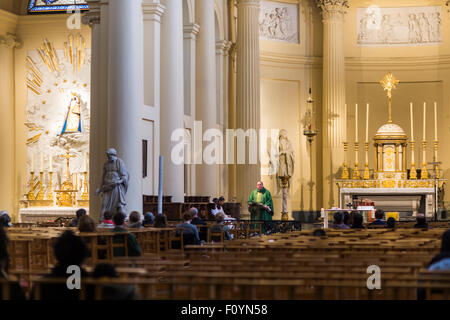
(72, 122)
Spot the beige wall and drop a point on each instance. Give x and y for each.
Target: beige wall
(287, 72)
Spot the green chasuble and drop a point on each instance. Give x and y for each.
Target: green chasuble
(265, 198)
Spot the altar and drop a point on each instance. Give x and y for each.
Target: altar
(406, 201)
(45, 214)
(390, 184)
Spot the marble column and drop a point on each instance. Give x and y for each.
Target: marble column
(248, 91)
(205, 96)
(7, 160)
(126, 91)
(172, 95)
(333, 107)
(97, 134)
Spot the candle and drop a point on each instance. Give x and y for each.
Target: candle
(435, 121)
(32, 162)
(424, 120)
(367, 124)
(412, 121)
(42, 162)
(356, 123)
(51, 163)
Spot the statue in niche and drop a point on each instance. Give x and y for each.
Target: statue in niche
(72, 122)
(114, 186)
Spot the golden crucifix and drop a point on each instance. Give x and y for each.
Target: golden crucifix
(67, 157)
(389, 83)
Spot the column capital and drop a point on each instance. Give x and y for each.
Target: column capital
(223, 47)
(191, 30)
(10, 41)
(93, 16)
(152, 10)
(332, 7)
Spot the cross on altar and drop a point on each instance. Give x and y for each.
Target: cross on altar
(67, 156)
(389, 83)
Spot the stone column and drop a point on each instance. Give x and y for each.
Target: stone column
(97, 134)
(248, 91)
(190, 32)
(7, 160)
(172, 95)
(126, 91)
(206, 101)
(333, 108)
(222, 49)
(153, 12)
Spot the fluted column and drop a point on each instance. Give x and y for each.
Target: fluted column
(97, 133)
(7, 164)
(222, 50)
(206, 101)
(248, 89)
(172, 95)
(334, 124)
(126, 91)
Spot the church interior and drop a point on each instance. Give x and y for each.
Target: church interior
(282, 135)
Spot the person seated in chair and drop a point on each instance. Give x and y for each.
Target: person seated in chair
(86, 224)
(197, 221)
(379, 215)
(149, 218)
(357, 221)
(133, 247)
(190, 231)
(70, 250)
(219, 226)
(390, 223)
(107, 222)
(5, 219)
(134, 220)
(421, 221)
(79, 214)
(339, 221)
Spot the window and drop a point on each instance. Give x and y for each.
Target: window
(46, 6)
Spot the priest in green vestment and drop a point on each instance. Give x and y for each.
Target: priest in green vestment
(260, 203)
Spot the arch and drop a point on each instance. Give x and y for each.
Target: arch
(188, 11)
(219, 21)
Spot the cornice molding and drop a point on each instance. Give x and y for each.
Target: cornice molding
(289, 61)
(398, 63)
(8, 21)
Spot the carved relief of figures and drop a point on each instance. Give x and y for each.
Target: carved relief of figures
(399, 26)
(278, 22)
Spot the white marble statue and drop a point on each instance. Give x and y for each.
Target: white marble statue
(114, 186)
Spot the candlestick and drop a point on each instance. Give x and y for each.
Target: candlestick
(424, 174)
(436, 166)
(413, 172)
(412, 120)
(42, 162)
(50, 186)
(40, 195)
(345, 173)
(367, 124)
(424, 120)
(32, 163)
(435, 121)
(85, 195)
(30, 195)
(356, 123)
(355, 175)
(366, 175)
